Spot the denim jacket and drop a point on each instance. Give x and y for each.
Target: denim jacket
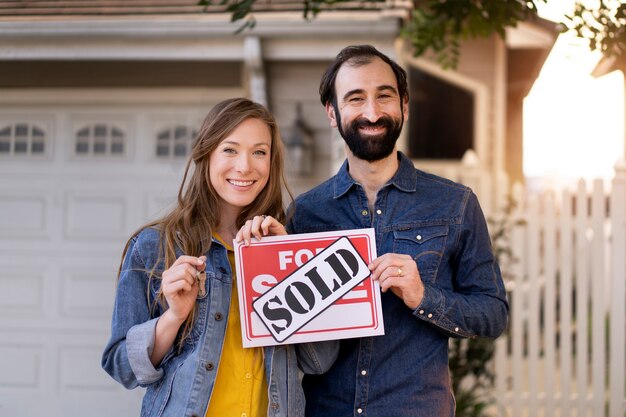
(183, 382)
(438, 223)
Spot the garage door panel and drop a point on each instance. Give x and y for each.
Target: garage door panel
(58, 292)
(95, 215)
(59, 373)
(21, 366)
(24, 215)
(83, 386)
(80, 369)
(88, 292)
(102, 403)
(157, 203)
(22, 293)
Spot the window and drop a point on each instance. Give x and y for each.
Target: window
(175, 142)
(100, 140)
(22, 139)
(441, 118)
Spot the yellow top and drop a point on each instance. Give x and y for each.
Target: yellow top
(240, 386)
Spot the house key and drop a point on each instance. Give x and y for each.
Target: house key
(201, 278)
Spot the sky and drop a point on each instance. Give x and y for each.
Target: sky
(574, 123)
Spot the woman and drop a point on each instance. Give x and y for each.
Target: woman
(175, 327)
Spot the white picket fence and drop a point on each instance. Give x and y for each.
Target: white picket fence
(564, 351)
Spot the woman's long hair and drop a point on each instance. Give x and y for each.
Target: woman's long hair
(190, 225)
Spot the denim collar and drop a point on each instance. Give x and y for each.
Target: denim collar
(404, 179)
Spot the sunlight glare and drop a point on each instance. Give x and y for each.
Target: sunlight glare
(573, 122)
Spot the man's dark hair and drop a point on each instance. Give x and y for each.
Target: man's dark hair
(357, 55)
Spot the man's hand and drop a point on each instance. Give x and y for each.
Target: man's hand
(399, 273)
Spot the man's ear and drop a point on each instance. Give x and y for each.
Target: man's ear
(330, 112)
(405, 107)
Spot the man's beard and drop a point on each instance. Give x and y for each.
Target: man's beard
(370, 148)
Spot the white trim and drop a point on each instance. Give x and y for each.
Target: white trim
(117, 96)
(255, 72)
(528, 35)
(278, 23)
(48, 47)
(499, 107)
(197, 37)
(292, 48)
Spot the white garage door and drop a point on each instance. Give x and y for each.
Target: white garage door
(75, 181)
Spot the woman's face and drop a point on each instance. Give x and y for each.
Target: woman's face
(239, 167)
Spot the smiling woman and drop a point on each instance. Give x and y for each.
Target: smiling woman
(166, 330)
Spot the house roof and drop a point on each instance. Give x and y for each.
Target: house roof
(162, 7)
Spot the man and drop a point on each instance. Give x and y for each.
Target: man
(435, 266)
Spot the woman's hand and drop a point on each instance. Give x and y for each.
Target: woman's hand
(180, 285)
(258, 227)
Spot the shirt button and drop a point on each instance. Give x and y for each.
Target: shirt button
(430, 315)
(359, 410)
(243, 415)
(379, 211)
(364, 212)
(418, 237)
(209, 366)
(248, 375)
(363, 372)
(421, 311)
(218, 316)
(456, 329)
(274, 406)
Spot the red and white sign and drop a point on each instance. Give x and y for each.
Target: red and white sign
(308, 287)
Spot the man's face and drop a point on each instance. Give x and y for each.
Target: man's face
(369, 112)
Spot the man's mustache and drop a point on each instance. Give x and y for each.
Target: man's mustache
(382, 122)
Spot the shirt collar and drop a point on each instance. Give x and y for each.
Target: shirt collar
(404, 179)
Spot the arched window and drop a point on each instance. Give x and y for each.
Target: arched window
(174, 142)
(22, 139)
(100, 140)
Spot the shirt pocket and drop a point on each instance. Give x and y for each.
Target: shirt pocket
(425, 244)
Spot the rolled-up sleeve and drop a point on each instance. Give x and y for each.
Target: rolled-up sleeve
(126, 356)
(139, 347)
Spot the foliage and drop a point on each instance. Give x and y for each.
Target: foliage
(472, 378)
(441, 25)
(602, 23)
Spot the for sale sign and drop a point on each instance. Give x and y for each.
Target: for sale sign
(308, 287)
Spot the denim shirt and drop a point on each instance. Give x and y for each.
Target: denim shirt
(438, 223)
(184, 380)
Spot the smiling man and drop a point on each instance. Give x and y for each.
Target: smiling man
(435, 267)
